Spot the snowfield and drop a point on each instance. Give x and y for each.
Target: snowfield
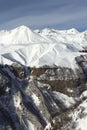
(41, 47)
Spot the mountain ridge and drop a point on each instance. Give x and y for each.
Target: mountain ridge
(39, 47)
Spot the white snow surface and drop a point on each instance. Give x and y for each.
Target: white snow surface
(41, 47)
(36, 99)
(79, 117)
(64, 99)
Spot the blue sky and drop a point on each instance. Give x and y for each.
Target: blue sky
(38, 14)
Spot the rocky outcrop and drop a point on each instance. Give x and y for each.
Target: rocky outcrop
(61, 79)
(82, 62)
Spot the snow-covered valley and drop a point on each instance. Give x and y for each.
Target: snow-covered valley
(43, 79)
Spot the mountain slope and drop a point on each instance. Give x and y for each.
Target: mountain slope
(38, 48)
(43, 79)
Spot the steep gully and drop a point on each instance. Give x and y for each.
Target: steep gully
(28, 102)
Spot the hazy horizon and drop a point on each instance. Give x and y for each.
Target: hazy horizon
(57, 14)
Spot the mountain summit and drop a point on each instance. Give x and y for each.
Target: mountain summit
(38, 48)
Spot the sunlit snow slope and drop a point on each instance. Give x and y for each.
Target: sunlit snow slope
(41, 47)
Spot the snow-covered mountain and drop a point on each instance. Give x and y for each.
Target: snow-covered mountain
(41, 47)
(43, 79)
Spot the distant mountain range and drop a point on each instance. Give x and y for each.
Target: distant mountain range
(41, 47)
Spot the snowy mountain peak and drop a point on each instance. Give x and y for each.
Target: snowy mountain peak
(73, 30)
(19, 35)
(38, 48)
(22, 28)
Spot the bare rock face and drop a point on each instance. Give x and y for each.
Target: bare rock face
(40, 98)
(82, 62)
(4, 83)
(63, 80)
